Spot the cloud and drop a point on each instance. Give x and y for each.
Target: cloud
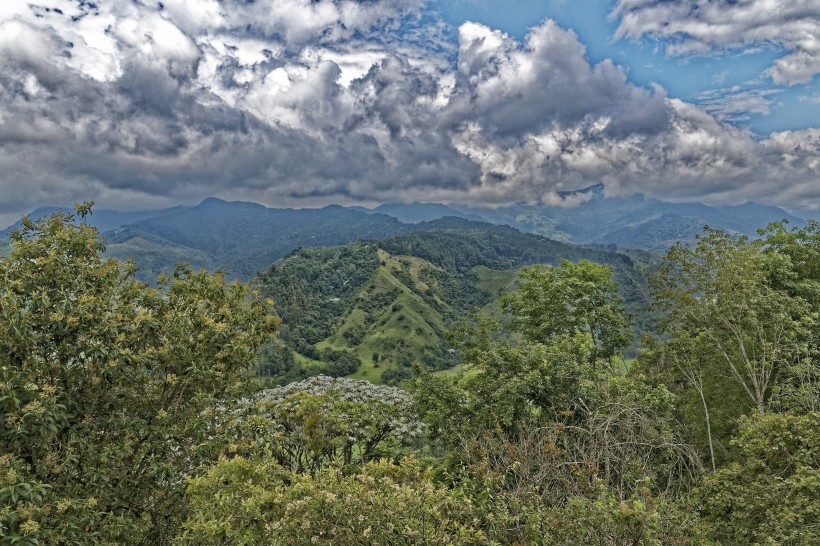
(737, 104)
(813, 99)
(588, 124)
(698, 27)
(349, 102)
(519, 88)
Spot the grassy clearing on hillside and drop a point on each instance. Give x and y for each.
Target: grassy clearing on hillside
(496, 283)
(392, 335)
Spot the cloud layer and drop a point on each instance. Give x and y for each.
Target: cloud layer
(701, 26)
(298, 103)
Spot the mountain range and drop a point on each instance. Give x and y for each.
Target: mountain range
(368, 292)
(634, 221)
(243, 239)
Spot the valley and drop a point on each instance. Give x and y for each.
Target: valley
(369, 293)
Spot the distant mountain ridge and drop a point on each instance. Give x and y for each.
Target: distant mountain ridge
(413, 213)
(634, 221)
(102, 219)
(244, 238)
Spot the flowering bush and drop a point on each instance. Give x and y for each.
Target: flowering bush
(325, 421)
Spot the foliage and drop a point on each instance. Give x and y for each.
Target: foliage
(462, 249)
(276, 364)
(570, 298)
(530, 490)
(104, 383)
(324, 421)
(549, 445)
(398, 296)
(249, 502)
(769, 496)
(708, 403)
(619, 428)
(116, 398)
(718, 295)
(795, 257)
(794, 267)
(312, 283)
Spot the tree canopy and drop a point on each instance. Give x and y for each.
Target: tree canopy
(106, 386)
(570, 298)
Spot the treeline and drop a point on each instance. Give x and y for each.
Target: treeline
(124, 420)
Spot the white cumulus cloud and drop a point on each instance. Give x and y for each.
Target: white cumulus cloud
(701, 26)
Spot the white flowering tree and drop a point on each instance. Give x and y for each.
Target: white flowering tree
(324, 421)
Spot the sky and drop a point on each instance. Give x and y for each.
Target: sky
(141, 104)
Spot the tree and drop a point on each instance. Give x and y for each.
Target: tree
(570, 298)
(505, 383)
(107, 385)
(795, 257)
(254, 501)
(323, 421)
(769, 496)
(794, 263)
(615, 428)
(718, 293)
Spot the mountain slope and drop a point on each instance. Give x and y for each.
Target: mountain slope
(244, 238)
(373, 309)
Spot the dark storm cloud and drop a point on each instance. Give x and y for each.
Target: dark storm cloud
(302, 103)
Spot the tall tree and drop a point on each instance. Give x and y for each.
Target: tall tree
(568, 299)
(107, 384)
(795, 259)
(718, 293)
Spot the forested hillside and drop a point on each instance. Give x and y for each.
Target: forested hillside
(373, 310)
(359, 310)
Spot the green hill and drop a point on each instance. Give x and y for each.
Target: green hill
(372, 309)
(385, 311)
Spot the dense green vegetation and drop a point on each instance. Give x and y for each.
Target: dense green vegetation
(373, 310)
(108, 387)
(121, 420)
(358, 309)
